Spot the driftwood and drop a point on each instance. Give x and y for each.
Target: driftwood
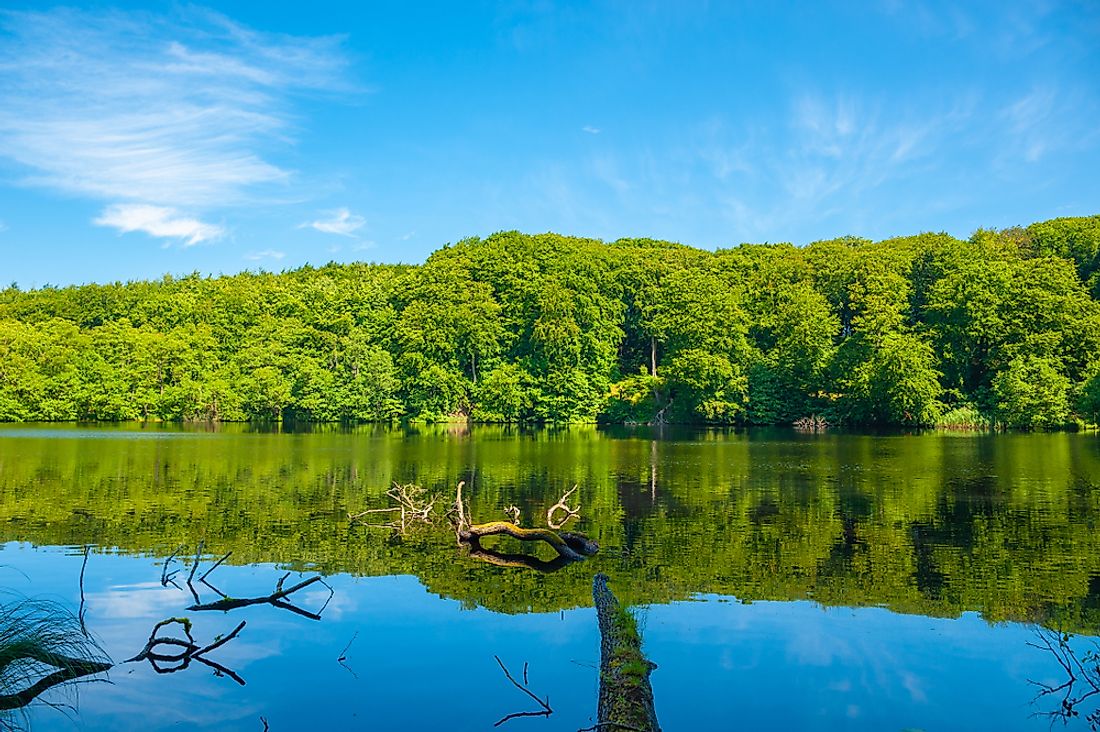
(70, 670)
(573, 547)
(626, 697)
(569, 545)
(169, 661)
(278, 599)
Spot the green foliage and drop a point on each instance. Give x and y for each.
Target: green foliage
(547, 328)
(1088, 399)
(1031, 393)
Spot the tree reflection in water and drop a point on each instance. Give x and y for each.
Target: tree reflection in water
(1082, 679)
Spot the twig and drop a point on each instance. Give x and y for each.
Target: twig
(195, 566)
(513, 513)
(83, 609)
(546, 711)
(216, 565)
(165, 577)
(343, 654)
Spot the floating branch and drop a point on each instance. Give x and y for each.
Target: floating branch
(165, 661)
(545, 710)
(566, 544)
(626, 697)
(276, 599)
(569, 545)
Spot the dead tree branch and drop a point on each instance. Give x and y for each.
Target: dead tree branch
(169, 662)
(570, 513)
(573, 547)
(278, 599)
(545, 710)
(414, 506)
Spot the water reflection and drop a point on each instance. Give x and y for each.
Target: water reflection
(1075, 690)
(934, 524)
(816, 536)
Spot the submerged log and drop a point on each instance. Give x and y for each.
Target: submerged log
(626, 697)
(567, 544)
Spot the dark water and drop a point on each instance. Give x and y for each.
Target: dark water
(782, 581)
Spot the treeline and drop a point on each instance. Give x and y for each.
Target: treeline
(1001, 329)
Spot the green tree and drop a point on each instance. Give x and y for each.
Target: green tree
(1031, 393)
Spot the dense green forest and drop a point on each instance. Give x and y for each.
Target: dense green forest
(1002, 329)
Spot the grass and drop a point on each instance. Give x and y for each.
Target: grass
(41, 645)
(965, 417)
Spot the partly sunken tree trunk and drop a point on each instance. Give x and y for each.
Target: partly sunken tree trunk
(626, 697)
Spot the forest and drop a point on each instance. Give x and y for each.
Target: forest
(998, 331)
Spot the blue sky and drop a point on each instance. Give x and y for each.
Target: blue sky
(140, 139)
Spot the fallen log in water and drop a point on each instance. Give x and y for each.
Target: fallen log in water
(567, 544)
(626, 697)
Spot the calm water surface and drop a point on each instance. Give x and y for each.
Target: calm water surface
(783, 581)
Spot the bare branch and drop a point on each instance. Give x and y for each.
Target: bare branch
(545, 711)
(216, 565)
(570, 513)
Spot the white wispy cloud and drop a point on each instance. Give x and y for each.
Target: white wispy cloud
(183, 111)
(341, 221)
(265, 254)
(160, 221)
(3, 226)
(591, 130)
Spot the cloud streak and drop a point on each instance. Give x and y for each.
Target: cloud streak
(341, 222)
(265, 254)
(158, 221)
(182, 111)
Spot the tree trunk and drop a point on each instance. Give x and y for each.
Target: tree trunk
(626, 697)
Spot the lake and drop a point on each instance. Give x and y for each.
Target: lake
(781, 580)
